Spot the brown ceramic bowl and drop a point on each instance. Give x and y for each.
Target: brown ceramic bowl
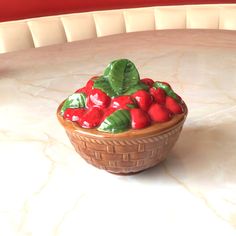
(128, 152)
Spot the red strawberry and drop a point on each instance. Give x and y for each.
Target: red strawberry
(92, 118)
(90, 83)
(147, 81)
(173, 105)
(123, 102)
(159, 113)
(74, 114)
(143, 99)
(159, 95)
(97, 98)
(81, 90)
(139, 118)
(88, 87)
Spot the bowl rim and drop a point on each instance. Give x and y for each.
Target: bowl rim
(152, 130)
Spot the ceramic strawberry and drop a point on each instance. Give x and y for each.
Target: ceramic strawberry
(159, 113)
(123, 102)
(92, 118)
(139, 118)
(173, 105)
(88, 87)
(81, 90)
(149, 82)
(90, 83)
(159, 95)
(97, 98)
(74, 114)
(143, 99)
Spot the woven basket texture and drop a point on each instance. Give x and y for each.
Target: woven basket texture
(126, 155)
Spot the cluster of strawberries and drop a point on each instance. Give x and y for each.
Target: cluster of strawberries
(90, 106)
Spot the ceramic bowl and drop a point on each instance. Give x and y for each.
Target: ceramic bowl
(128, 152)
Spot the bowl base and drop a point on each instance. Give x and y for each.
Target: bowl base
(125, 174)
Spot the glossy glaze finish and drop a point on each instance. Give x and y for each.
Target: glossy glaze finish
(128, 152)
(46, 189)
(149, 131)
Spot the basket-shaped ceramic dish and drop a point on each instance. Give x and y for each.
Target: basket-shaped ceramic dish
(128, 152)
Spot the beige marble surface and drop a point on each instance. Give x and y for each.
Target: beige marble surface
(48, 190)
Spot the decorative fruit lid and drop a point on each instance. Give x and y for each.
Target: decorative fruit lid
(119, 100)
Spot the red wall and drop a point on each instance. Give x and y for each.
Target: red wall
(20, 9)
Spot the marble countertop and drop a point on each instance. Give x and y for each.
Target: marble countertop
(47, 189)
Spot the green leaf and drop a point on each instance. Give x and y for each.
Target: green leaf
(161, 85)
(169, 91)
(135, 88)
(121, 75)
(132, 105)
(103, 84)
(76, 100)
(117, 122)
(173, 95)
